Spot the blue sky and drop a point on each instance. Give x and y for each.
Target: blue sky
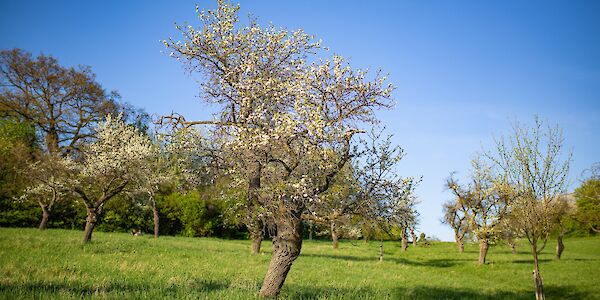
(464, 69)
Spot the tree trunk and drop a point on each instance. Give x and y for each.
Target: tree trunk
(460, 245)
(256, 234)
(310, 231)
(512, 245)
(537, 278)
(483, 248)
(45, 217)
(255, 226)
(286, 248)
(560, 247)
(404, 239)
(156, 219)
(256, 242)
(366, 234)
(381, 250)
(334, 236)
(90, 223)
(52, 140)
(414, 236)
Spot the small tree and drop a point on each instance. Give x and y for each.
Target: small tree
(532, 164)
(49, 184)
(562, 212)
(455, 215)
(386, 198)
(107, 166)
(337, 206)
(485, 202)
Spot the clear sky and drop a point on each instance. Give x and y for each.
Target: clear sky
(464, 69)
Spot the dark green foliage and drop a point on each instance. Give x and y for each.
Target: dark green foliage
(123, 214)
(194, 214)
(17, 147)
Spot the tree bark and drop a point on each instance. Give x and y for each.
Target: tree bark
(45, 217)
(255, 224)
(560, 247)
(537, 278)
(90, 223)
(414, 236)
(404, 240)
(156, 219)
(381, 250)
(256, 234)
(483, 248)
(334, 236)
(52, 140)
(286, 248)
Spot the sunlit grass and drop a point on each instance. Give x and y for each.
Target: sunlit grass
(54, 264)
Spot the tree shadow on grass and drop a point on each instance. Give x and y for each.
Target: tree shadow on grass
(437, 263)
(529, 261)
(80, 290)
(425, 292)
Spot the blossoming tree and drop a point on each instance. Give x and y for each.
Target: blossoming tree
(49, 183)
(288, 116)
(107, 166)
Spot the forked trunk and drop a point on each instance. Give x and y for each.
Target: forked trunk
(414, 236)
(45, 217)
(334, 235)
(156, 219)
(537, 278)
(460, 245)
(90, 223)
(286, 248)
(483, 248)
(560, 247)
(404, 240)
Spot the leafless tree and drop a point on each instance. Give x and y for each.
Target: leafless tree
(64, 104)
(533, 165)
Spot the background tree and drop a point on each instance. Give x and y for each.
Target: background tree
(563, 211)
(531, 162)
(290, 122)
(64, 104)
(455, 215)
(108, 165)
(49, 183)
(337, 206)
(485, 201)
(587, 197)
(385, 198)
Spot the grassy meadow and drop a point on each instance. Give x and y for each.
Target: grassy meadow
(53, 264)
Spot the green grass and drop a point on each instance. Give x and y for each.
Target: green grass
(54, 264)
